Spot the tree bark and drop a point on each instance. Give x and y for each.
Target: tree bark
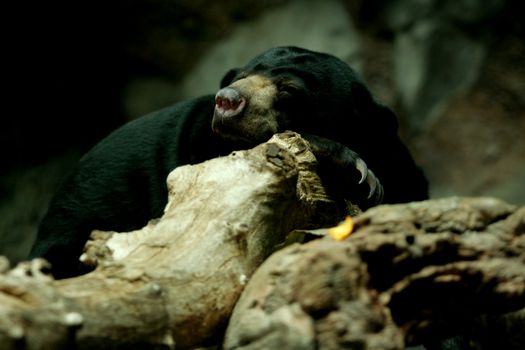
(410, 273)
(173, 283)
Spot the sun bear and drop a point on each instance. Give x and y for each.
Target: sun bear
(120, 184)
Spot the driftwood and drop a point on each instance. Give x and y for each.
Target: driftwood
(408, 274)
(174, 283)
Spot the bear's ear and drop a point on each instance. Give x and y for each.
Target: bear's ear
(227, 79)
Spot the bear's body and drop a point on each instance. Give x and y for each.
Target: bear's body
(121, 183)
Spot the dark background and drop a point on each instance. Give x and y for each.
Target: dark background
(75, 70)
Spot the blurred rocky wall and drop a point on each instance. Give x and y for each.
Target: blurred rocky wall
(456, 77)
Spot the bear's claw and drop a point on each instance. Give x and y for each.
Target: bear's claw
(338, 165)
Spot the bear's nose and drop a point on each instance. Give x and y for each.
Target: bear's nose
(229, 102)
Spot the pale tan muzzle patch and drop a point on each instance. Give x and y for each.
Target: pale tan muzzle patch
(259, 90)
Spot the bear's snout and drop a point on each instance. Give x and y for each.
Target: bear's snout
(244, 110)
(229, 102)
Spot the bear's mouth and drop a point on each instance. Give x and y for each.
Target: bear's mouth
(243, 127)
(228, 127)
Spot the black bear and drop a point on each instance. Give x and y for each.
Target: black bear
(121, 183)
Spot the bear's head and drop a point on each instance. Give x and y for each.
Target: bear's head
(290, 88)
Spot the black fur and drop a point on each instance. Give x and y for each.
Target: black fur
(121, 183)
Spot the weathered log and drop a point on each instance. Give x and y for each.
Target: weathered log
(173, 283)
(410, 273)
